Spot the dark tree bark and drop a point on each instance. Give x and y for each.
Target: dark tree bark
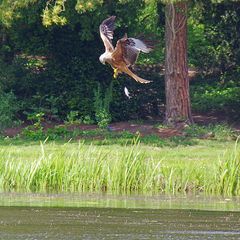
(178, 107)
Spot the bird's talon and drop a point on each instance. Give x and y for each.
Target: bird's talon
(115, 74)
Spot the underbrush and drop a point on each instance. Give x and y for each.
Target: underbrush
(100, 137)
(8, 108)
(217, 97)
(107, 136)
(220, 132)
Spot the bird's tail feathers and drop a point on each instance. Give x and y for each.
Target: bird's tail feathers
(141, 80)
(135, 77)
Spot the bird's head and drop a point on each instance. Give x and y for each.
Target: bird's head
(102, 59)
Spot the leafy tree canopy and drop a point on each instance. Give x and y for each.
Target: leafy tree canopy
(57, 11)
(9, 9)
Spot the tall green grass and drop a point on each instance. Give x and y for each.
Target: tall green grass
(227, 177)
(129, 169)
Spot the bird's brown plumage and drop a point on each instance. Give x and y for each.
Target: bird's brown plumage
(125, 53)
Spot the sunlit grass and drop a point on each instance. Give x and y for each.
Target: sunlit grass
(210, 166)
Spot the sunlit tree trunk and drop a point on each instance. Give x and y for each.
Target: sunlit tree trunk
(178, 107)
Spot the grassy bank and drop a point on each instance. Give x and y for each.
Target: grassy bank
(206, 166)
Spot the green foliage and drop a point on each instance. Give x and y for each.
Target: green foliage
(215, 36)
(52, 13)
(9, 10)
(73, 117)
(47, 105)
(58, 132)
(8, 110)
(102, 105)
(221, 132)
(36, 118)
(219, 98)
(198, 56)
(103, 118)
(87, 120)
(34, 131)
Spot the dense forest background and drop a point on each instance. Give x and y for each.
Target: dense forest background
(51, 67)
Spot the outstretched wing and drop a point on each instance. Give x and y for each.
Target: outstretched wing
(106, 33)
(133, 46)
(119, 56)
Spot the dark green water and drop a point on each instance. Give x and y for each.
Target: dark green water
(91, 216)
(113, 223)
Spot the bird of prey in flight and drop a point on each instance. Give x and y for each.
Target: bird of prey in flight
(126, 52)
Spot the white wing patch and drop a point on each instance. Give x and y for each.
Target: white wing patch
(106, 32)
(139, 45)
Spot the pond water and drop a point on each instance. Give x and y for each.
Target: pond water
(91, 216)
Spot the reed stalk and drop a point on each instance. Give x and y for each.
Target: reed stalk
(130, 169)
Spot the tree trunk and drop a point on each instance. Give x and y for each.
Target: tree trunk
(178, 107)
